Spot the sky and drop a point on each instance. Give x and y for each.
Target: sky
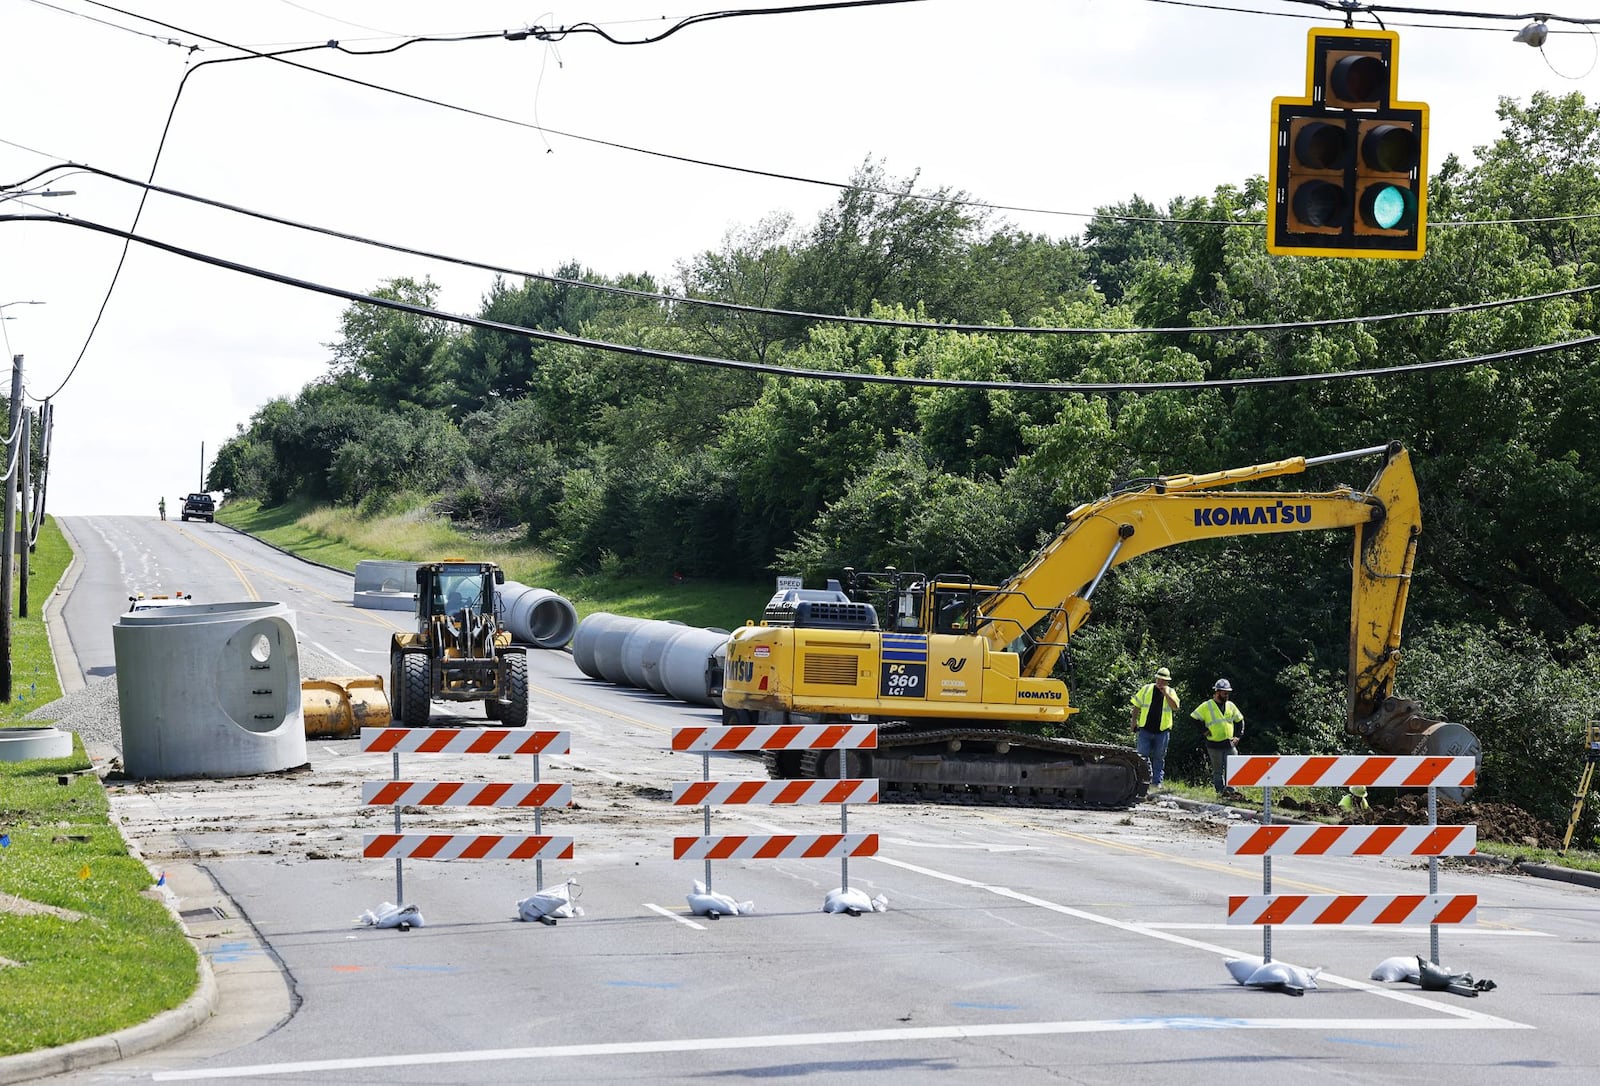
(1057, 106)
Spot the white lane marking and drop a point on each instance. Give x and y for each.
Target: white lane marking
(1195, 944)
(847, 1037)
(325, 649)
(674, 916)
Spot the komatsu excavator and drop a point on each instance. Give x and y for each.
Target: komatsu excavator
(958, 676)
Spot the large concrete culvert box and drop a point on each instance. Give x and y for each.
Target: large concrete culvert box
(210, 690)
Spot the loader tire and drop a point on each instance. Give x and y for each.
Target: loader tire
(514, 710)
(415, 694)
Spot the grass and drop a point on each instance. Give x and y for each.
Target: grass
(33, 668)
(86, 948)
(339, 538)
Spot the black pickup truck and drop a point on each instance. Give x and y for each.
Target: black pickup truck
(200, 507)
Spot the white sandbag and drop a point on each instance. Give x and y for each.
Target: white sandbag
(390, 915)
(853, 901)
(1283, 977)
(555, 902)
(703, 902)
(1391, 969)
(1241, 969)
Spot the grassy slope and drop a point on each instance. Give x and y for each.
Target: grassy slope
(338, 538)
(104, 953)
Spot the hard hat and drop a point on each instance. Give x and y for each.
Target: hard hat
(1223, 684)
(1358, 790)
(1163, 673)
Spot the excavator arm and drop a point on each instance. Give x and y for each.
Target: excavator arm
(1041, 606)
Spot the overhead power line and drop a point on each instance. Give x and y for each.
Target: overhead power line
(561, 338)
(820, 318)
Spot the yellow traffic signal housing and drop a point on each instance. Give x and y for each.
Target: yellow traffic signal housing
(1349, 174)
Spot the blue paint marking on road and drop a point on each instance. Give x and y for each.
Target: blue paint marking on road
(427, 968)
(1364, 1041)
(642, 984)
(233, 952)
(989, 1006)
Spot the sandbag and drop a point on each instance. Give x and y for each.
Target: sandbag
(390, 915)
(703, 902)
(853, 901)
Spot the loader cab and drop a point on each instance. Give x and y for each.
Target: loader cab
(448, 588)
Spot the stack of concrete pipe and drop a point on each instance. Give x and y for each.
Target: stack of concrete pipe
(537, 616)
(666, 657)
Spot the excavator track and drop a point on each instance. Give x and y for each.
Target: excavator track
(981, 766)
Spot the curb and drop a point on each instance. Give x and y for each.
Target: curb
(164, 1028)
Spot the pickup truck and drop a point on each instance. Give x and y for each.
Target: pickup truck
(200, 507)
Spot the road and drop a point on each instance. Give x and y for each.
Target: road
(1017, 944)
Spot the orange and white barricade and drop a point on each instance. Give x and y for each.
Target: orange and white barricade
(1432, 841)
(523, 795)
(841, 792)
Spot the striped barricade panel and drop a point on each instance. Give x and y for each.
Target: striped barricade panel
(700, 740)
(821, 846)
(827, 790)
(464, 741)
(463, 794)
(1353, 909)
(1275, 840)
(1340, 771)
(465, 846)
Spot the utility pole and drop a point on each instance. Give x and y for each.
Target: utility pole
(25, 531)
(9, 528)
(202, 485)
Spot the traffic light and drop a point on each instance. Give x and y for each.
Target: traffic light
(1349, 172)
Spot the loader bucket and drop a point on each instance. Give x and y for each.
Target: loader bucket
(338, 708)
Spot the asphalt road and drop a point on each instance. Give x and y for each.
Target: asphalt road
(1017, 943)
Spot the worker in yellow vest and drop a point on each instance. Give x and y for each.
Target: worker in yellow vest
(1224, 725)
(1355, 799)
(1150, 714)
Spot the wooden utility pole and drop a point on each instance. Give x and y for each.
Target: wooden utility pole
(25, 529)
(9, 528)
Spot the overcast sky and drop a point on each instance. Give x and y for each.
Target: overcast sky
(1044, 104)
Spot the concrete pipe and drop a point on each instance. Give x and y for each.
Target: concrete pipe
(608, 648)
(588, 636)
(645, 640)
(209, 691)
(650, 656)
(537, 616)
(683, 664)
(26, 744)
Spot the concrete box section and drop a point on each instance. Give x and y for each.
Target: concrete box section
(209, 691)
(386, 586)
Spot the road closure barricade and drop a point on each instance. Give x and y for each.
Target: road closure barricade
(1432, 841)
(841, 791)
(399, 793)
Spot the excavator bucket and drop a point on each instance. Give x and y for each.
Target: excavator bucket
(338, 708)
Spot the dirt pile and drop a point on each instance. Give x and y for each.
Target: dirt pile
(1499, 822)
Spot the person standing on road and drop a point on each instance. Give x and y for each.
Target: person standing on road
(161, 507)
(1224, 725)
(1150, 714)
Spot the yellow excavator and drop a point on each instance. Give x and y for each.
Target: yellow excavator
(954, 668)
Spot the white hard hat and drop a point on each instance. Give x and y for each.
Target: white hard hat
(1223, 684)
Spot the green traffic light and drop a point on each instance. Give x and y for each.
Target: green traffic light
(1388, 207)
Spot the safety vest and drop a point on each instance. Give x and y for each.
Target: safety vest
(1219, 722)
(1141, 701)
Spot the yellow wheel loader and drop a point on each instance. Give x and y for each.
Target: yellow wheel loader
(459, 652)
